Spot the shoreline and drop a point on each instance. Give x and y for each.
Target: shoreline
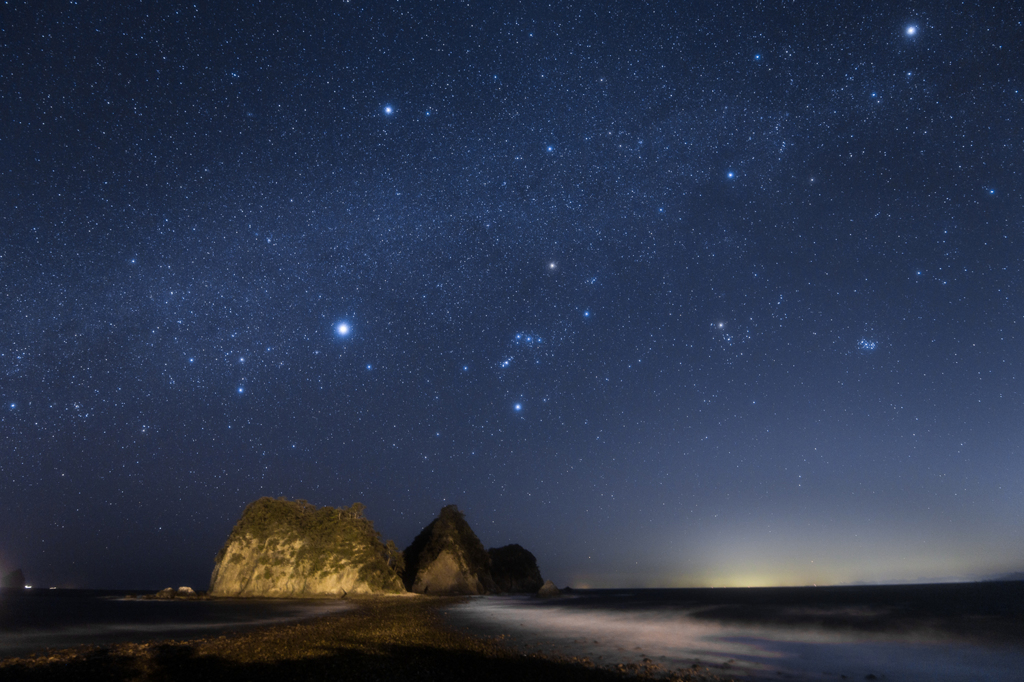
(382, 638)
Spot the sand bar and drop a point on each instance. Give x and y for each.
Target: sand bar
(382, 639)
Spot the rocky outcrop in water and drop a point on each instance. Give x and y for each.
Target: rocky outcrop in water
(514, 569)
(548, 590)
(15, 579)
(171, 593)
(281, 548)
(448, 558)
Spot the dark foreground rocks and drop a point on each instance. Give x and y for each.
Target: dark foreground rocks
(383, 639)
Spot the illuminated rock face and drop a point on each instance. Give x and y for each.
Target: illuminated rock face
(448, 558)
(447, 574)
(292, 549)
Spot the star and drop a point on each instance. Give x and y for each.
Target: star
(911, 30)
(518, 407)
(343, 329)
(388, 110)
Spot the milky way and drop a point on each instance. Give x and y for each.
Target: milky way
(670, 295)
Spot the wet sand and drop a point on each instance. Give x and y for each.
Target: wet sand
(381, 639)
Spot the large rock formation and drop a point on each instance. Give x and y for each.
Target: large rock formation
(514, 569)
(292, 549)
(447, 558)
(15, 579)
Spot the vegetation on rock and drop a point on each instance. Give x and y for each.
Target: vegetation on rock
(320, 541)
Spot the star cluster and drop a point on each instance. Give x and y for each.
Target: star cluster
(717, 287)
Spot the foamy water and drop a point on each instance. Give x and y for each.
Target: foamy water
(675, 638)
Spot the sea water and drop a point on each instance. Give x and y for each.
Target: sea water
(912, 633)
(32, 620)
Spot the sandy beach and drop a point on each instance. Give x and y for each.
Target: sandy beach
(381, 639)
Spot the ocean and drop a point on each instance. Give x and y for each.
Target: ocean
(33, 620)
(950, 632)
(911, 633)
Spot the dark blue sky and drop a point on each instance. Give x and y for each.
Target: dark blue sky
(669, 293)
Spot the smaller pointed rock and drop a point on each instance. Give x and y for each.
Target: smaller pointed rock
(548, 590)
(448, 558)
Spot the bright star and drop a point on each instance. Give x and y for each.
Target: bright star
(343, 329)
(241, 389)
(551, 148)
(518, 407)
(911, 30)
(388, 110)
(552, 265)
(730, 175)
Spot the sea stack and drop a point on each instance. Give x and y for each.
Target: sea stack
(514, 569)
(548, 591)
(448, 558)
(281, 548)
(14, 580)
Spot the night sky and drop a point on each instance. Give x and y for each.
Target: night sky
(669, 293)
